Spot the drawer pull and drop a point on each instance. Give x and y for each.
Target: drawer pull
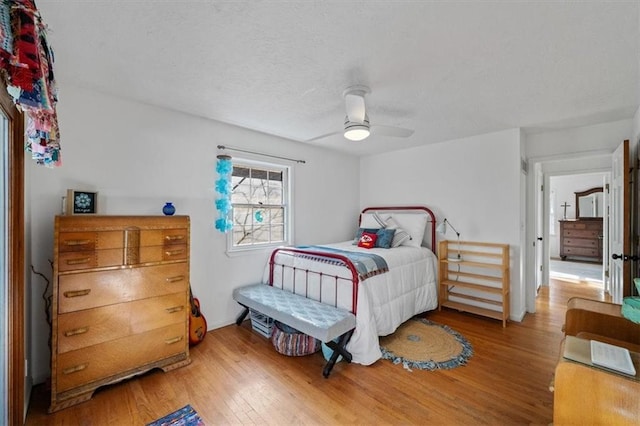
(78, 261)
(76, 331)
(174, 252)
(75, 368)
(77, 242)
(175, 309)
(174, 237)
(174, 340)
(175, 279)
(77, 293)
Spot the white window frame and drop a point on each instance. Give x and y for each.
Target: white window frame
(287, 179)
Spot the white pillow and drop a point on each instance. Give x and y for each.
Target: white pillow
(415, 225)
(371, 221)
(401, 236)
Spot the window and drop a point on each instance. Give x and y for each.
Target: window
(260, 203)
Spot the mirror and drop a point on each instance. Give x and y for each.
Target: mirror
(589, 204)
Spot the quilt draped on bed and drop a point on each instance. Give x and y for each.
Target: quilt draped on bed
(367, 264)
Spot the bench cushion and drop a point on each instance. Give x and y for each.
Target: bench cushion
(322, 321)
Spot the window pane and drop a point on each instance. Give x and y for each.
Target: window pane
(241, 225)
(277, 233)
(241, 185)
(261, 234)
(277, 215)
(258, 198)
(275, 194)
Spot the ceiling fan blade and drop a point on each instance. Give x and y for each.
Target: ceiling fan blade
(396, 132)
(324, 136)
(355, 107)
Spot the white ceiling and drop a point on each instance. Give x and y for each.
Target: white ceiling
(445, 69)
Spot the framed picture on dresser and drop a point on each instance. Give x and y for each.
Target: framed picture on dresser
(81, 202)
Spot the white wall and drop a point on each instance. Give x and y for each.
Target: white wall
(574, 141)
(473, 182)
(138, 157)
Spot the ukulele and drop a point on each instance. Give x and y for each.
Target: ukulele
(197, 322)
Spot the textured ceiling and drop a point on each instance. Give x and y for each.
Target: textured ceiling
(445, 69)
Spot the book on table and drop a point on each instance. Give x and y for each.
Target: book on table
(612, 357)
(599, 354)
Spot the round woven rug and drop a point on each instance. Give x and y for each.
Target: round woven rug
(425, 345)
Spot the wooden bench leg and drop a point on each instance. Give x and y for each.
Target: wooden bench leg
(242, 315)
(338, 348)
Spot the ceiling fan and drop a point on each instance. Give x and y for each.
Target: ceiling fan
(356, 123)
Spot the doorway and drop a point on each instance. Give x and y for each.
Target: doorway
(577, 236)
(543, 219)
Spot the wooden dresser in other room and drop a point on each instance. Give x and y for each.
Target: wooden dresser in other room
(581, 238)
(120, 302)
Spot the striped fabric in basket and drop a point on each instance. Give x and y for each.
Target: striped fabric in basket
(289, 341)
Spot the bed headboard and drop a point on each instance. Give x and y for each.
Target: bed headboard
(431, 218)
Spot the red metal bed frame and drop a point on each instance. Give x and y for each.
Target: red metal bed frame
(342, 260)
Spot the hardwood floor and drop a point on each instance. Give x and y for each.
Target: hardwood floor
(236, 377)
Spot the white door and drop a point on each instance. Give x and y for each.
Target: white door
(620, 223)
(539, 241)
(606, 220)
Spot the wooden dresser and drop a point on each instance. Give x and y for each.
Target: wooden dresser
(120, 302)
(581, 238)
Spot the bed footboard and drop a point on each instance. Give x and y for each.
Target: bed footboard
(311, 278)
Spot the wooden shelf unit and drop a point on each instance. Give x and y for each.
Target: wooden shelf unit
(478, 283)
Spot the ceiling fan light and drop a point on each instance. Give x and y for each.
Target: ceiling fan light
(357, 132)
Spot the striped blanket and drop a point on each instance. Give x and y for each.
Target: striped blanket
(366, 264)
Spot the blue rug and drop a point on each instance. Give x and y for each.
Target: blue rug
(186, 416)
(425, 345)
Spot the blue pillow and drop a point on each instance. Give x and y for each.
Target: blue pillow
(385, 236)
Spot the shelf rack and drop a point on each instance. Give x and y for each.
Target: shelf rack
(474, 278)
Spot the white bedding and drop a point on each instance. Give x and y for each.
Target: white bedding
(384, 301)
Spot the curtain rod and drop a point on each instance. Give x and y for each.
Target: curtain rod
(228, 148)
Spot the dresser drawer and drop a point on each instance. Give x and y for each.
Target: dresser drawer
(581, 251)
(574, 225)
(163, 253)
(79, 291)
(579, 242)
(88, 241)
(159, 237)
(581, 233)
(79, 260)
(88, 327)
(79, 367)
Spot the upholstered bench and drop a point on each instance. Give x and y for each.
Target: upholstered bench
(327, 323)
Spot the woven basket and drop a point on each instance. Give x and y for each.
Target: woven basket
(291, 342)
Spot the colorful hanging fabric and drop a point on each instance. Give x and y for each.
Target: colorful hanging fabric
(26, 60)
(224, 167)
(6, 34)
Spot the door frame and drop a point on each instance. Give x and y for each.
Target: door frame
(16, 261)
(578, 163)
